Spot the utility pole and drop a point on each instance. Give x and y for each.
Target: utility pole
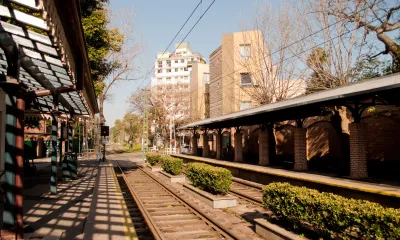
(145, 133)
(173, 127)
(170, 134)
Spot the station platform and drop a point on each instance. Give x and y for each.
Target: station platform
(387, 194)
(91, 207)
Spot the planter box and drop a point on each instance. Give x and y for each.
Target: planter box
(271, 231)
(155, 168)
(174, 179)
(210, 199)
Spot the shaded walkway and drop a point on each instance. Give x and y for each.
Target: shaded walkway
(91, 207)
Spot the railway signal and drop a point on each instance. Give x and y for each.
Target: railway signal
(105, 131)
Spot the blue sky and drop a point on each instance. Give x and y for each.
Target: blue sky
(157, 22)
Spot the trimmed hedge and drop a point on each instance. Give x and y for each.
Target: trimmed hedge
(215, 180)
(153, 158)
(172, 165)
(332, 215)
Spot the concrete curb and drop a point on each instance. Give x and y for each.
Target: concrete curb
(214, 201)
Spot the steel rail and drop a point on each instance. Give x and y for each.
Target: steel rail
(146, 215)
(247, 198)
(246, 183)
(209, 219)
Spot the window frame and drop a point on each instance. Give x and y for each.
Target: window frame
(247, 56)
(247, 103)
(246, 83)
(208, 78)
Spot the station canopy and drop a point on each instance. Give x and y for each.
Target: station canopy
(382, 90)
(44, 63)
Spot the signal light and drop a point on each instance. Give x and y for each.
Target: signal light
(105, 131)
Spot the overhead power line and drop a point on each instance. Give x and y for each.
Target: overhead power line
(176, 35)
(289, 45)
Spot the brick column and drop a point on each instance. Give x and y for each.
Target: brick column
(300, 149)
(238, 147)
(358, 151)
(263, 148)
(218, 143)
(206, 147)
(194, 146)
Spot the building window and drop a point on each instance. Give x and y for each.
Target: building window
(168, 70)
(176, 69)
(169, 63)
(176, 61)
(206, 78)
(159, 71)
(159, 79)
(185, 69)
(182, 60)
(245, 51)
(245, 79)
(245, 105)
(168, 79)
(185, 78)
(159, 64)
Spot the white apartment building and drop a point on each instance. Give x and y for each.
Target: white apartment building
(171, 81)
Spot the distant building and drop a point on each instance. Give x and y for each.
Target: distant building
(238, 74)
(171, 81)
(199, 95)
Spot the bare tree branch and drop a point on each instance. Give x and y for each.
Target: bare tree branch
(125, 59)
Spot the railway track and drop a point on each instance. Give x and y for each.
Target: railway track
(165, 214)
(248, 191)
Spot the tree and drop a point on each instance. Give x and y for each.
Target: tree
(336, 51)
(380, 17)
(274, 75)
(111, 51)
(117, 132)
(372, 67)
(128, 128)
(100, 40)
(164, 102)
(123, 61)
(132, 126)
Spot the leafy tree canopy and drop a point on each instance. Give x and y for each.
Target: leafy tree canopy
(100, 40)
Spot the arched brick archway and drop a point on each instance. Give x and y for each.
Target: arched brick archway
(323, 147)
(252, 154)
(383, 137)
(284, 140)
(226, 141)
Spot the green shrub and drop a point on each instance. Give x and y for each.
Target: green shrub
(153, 158)
(172, 165)
(332, 215)
(215, 180)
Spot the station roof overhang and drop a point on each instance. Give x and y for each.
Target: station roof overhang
(383, 89)
(53, 59)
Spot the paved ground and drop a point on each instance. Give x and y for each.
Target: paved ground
(91, 207)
